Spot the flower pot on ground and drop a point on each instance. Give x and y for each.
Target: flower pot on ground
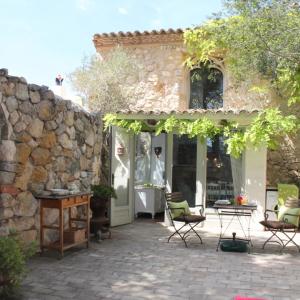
(101, 197)
(100, 205)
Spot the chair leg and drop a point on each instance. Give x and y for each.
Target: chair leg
(177, 231)
(274, 234)
(290, 239)
(192, 229)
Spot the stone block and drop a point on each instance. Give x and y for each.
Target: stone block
(14, 117)
(51, 125)
(35, 128)
(7, 200)
(23, 223)
(7, 151)
(65, 141)
(26, 205)
(11, 104)
(47, 95)
(8, 166)
(23, 153)
(7, 177)
(79, 125)
(8, 189)
(69, 118)
(23, 137)
(34, 96)
(22, 180)
(29, 235)
(26, 107)
(6, 213)
(48, 140)
(20, 126)
(39, 174)
(45, 110)
(90, 138)
(40, 156)
(22, 91)
(71, 132)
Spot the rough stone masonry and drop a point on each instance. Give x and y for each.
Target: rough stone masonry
(45, 142)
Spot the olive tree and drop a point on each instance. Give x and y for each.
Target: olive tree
(101, 81)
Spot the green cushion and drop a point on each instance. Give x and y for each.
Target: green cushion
(182, 208)
(285, 191)
(283, 210)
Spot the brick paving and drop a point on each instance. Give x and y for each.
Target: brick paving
(138, 263)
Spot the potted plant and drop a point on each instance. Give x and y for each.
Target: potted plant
(99, 204)
(100, 199)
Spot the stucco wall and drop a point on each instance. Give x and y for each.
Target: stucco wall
(46, 142)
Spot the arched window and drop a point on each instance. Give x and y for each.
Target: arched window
(206, 88)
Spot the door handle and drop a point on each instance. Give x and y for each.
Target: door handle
(112, 179)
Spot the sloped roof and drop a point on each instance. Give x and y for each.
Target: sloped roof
(138, 37)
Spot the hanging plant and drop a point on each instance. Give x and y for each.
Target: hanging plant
(264, 130)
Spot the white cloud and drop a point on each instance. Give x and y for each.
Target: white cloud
(83, 4)
(122, 11)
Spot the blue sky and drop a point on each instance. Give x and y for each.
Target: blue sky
(42, 38)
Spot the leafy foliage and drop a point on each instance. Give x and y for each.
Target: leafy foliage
(254, 37)
(13, 256)
(102, 82)
(103, 191)
(265, 129)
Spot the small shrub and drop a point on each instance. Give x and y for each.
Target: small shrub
(103, 191)
(13, 256)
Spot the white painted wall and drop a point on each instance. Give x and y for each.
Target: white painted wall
(254, 177)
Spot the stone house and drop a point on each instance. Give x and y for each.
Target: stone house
(166, 87)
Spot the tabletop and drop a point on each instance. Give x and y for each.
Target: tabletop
(59, 197)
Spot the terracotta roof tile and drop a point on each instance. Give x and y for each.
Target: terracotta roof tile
(187, 111)
(138, 37)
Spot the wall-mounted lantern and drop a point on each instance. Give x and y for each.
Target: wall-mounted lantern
(157, 151)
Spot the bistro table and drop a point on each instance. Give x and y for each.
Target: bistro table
(242, 213)
(67, 238)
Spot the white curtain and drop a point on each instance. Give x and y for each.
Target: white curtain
(237, 175)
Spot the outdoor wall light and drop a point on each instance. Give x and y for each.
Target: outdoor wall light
(157, 151)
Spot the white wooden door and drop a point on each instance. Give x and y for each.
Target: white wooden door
(122, 176)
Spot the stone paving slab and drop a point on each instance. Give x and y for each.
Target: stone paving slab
(138, 263)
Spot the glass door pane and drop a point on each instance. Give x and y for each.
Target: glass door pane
(184, 167)
(219, 183)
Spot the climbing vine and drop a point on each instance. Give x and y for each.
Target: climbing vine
(265, 129)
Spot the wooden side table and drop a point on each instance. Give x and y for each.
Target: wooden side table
(61, 203)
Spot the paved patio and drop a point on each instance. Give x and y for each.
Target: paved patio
(137, 263)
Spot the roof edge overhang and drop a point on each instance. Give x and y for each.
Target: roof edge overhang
(243, 117)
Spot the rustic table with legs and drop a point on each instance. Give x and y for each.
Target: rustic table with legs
(72, 236)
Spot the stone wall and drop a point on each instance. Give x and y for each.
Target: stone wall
(45, 142)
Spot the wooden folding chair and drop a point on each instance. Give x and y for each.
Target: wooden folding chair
(189, 221)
